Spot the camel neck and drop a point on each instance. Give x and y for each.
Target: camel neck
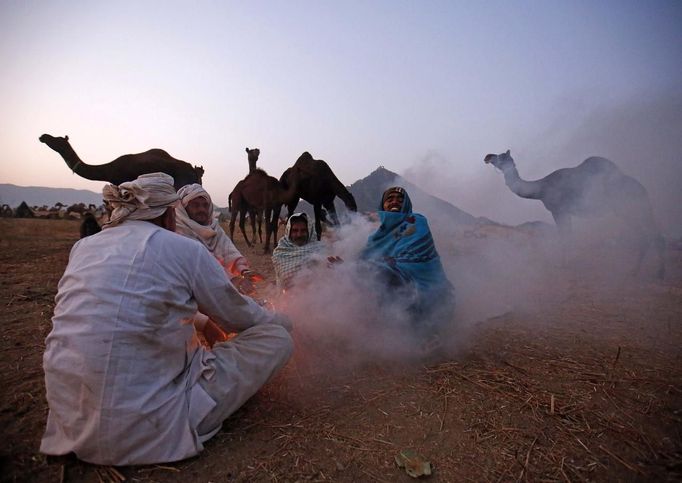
(520, 187)
(79, 167)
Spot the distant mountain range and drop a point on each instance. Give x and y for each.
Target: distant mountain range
(367, 192)
(13, 195)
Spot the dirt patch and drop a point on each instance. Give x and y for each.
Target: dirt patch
(581, 388)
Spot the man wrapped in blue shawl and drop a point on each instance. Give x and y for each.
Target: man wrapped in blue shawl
(403, 256)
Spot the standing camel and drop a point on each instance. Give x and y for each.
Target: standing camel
(318, 185)
(127, 167)
(237, 204)
(594, 187)
(255, 217)
(265, 195)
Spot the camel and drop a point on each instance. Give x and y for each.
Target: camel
(236, 204)
(127, 167)
(263, 194)
(252, 155)
(596, 186)
(318, 185)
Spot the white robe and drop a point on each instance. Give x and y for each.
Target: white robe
(121, 371)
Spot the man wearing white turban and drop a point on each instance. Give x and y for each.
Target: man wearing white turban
(195, 220)
(125, 383)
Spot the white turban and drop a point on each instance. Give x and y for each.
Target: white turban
(145, 198)
(211, 235)
(188, 192)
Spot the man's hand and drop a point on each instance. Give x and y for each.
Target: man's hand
(213, 334)
(332, 260)
(252, 275)
(244, 285)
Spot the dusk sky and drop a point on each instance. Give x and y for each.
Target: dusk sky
(424, 88)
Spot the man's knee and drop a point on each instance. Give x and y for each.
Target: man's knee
(275, 337)
(285, 343)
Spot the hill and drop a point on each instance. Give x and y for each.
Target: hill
(367, 193)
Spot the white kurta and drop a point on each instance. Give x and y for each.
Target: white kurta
(121, 372)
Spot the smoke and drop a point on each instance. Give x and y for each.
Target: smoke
(498, 269)
(339, 310)
(347, 318)
(642, 136)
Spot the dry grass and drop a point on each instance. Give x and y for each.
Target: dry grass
(587, 388)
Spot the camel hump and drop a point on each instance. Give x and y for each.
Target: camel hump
(597, 165)
(257, 172)
(159, 152)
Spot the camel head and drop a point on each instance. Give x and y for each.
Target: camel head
(199, 170)
(500, 161)
(253, 154)
(55, 143)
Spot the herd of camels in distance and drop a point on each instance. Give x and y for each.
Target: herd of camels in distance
(596, 186)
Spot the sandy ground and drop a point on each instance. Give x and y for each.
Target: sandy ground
(585, 386)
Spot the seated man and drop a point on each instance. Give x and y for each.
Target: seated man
(124, 383)
(195, 220)
(402, 255)
(296, 250)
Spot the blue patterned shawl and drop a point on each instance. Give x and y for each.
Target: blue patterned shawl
(403, 252)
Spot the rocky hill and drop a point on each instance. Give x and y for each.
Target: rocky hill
(367, 193)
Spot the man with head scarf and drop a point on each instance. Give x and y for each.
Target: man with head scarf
(195, 220)
(296, 250)
(403, 256)
(125, 383)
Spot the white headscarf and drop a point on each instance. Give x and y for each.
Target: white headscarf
(211, 235)
(145, 198)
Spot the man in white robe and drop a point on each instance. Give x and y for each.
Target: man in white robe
(124, 382)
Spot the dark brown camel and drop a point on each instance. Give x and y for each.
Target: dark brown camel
(237, 204)
(596, 186)
(127, 167)
(318, 185)
(255, 217)
(264, 194)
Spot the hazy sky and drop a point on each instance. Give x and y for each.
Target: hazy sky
(424, 88)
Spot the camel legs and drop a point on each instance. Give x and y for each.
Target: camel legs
(233, 217)
(242, 222)
(563, 223)
(331, 211)
(631, 202)
(259, 221)
(647, 235)
(318, 220)
(271, 222)
(255, 217)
